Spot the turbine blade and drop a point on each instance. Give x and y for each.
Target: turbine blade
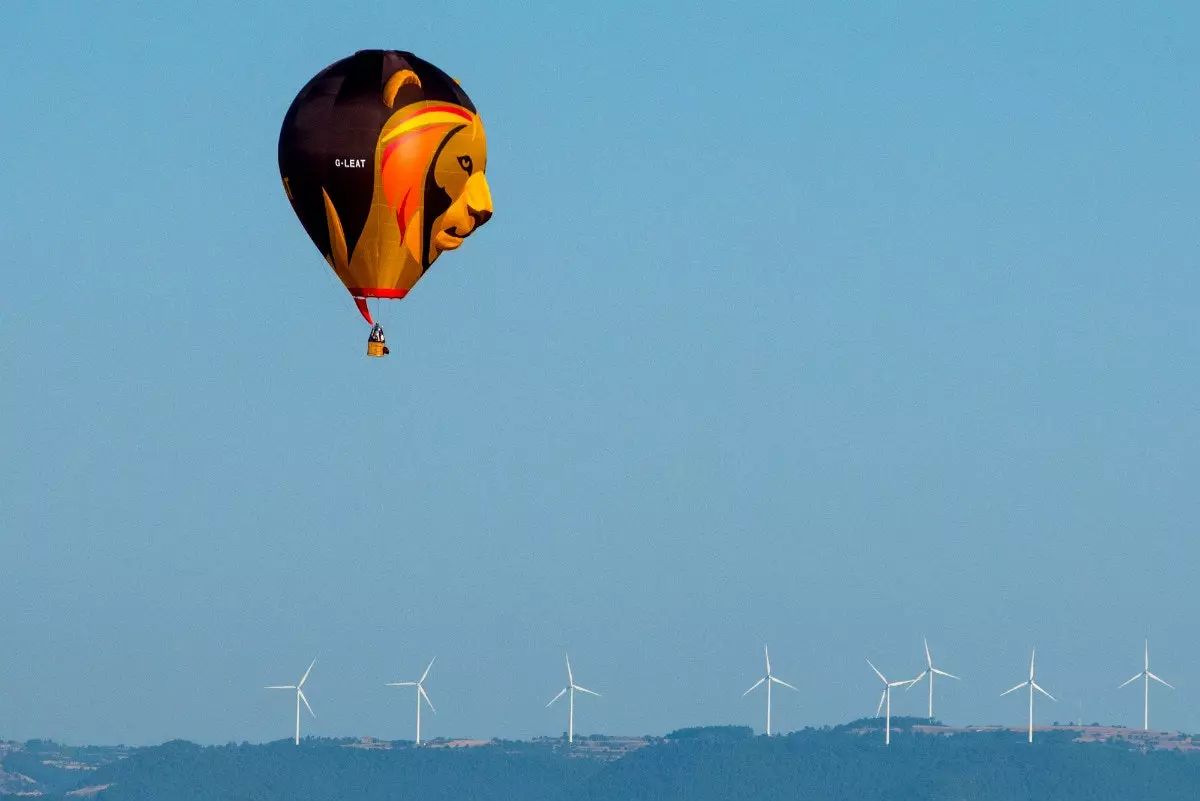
(560, 695)
(305, 700)
(1132, 680)
(1032, 656)
(755, 687)
(305, 677)
(1014, 689)
(879, 708)
(570, 676)
(944, 673)
(877, 673)
(401, 684)
(425, 675)
(905, 684)
(425, 695)
(281, 687)
(1156, 678)
(916, 681)
(1043, 692)
(586, 690)
(767, 654)
(784, 683)
(928, 658)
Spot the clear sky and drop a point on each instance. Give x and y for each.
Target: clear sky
(828, 328)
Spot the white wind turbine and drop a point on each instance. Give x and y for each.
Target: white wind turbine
(1147, 675)
(299, 697)
(886, 697)
(769, 679)
(420, 685)
(1032, 685)
(929, 670)
(571, 688)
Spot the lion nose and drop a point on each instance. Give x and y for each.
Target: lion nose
(479, 199)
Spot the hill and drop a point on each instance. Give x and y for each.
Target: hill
(729, 763)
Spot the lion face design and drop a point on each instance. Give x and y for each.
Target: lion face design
(458, 181)
(432, 176)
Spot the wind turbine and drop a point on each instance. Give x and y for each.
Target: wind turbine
(420, 685)
(929, 670)
(571, 687)
(1147, 675)
(887, 697)
(299, 697)
(1032, 685)
(769, 680)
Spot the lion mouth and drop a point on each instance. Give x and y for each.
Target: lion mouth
(450, 238)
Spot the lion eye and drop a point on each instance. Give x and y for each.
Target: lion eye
(465, 163)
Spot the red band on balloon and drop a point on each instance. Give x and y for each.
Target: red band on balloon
(381, 292)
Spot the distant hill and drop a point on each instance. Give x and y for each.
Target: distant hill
(832, 765)
(42, 767)
(728, 763)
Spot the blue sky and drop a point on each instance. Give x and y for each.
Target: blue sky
(828, 327)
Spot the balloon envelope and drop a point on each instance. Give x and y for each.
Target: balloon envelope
(384, 158)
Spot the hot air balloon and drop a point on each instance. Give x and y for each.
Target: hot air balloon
(384, 159)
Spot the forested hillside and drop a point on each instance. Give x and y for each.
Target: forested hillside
(725, 763)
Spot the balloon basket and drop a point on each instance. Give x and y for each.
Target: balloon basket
(375, 349)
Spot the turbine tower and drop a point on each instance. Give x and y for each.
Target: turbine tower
(1032, 685)
(887, 698)
(1147, 675)
(769, 679)
(299, 697)
(420, 685)
(929, 670)
(571, 688)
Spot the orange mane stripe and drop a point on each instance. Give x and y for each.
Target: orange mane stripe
(466, 115)
(391, 146)
(395, 143)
